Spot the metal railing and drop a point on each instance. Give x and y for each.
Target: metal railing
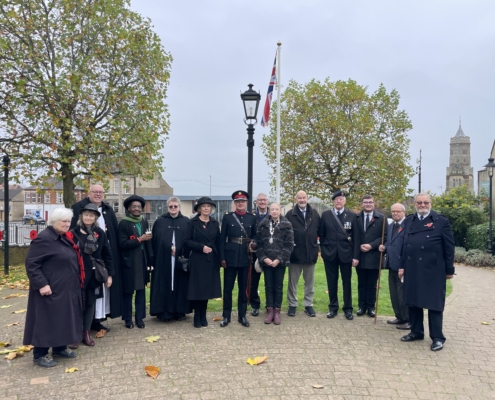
(19, 234)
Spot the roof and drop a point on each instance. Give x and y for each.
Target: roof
(56, 186)
(12, 193)
(460, 132)
(165, 197)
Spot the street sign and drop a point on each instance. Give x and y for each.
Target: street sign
(37, 213)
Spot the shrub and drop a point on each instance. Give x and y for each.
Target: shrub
(477, 237)
(479, 258)
(460, 255)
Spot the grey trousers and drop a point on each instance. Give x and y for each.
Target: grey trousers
(308, 272)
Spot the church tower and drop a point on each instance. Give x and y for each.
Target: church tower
(459, 171)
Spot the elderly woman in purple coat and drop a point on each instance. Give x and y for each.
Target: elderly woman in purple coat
(56, 273)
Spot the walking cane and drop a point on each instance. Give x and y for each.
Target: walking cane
(380, 266)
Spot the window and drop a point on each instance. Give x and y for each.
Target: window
(116, 186)
(47, 197)
(27, 197)
(60, 199)
(116, 207)
(38, 200)
(127, 186)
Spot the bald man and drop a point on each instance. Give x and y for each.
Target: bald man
(305, 222)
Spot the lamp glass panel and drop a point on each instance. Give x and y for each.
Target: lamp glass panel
(250, 106)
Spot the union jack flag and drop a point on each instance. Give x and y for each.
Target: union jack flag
(273, 80)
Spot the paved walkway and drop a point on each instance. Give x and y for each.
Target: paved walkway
(350, 359)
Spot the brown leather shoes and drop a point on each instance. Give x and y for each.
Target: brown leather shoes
(276, 317)
(269, 316)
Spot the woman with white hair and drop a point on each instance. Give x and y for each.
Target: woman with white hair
(56, 275)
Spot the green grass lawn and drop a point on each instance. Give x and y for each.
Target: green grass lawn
(320, 303)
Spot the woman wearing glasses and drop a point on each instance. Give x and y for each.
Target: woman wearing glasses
(168, 299)
(136, 258)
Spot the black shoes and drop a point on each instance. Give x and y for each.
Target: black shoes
(255, 312)
(291, 312)
(64, 353)
(404, 326)
(395, 321)
(243, 321)
(436, 346)
(310, 311)
(360, 312)
(45, 361)
(371, 313)
(140, 323)
(129, 324)
(332, 314)
(349, 316)
(224, 322)
(411, 338)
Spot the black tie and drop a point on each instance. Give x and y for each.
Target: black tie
(367, 221)
(421, 218)
(339, 214)
(395, 228)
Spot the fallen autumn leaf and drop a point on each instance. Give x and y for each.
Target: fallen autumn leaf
(256, 360)
(318, 386)
(19, 311)
(485, 323)
(71, 370)
(217, 318)
(100, 334)
(152, 371)
(6, 306)
(151, 339)
(13, 324)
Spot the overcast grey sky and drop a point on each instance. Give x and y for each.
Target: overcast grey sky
(439, 55)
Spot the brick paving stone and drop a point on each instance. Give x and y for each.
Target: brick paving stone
(351, 359)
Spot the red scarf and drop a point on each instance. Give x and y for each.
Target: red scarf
(241, 213)
(82, 275)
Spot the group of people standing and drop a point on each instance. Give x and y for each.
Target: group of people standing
(182, 258)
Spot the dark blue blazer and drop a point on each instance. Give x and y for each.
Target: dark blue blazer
(394, 246)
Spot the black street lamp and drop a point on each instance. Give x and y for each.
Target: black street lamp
(251, 101)
(489, 168)
(6, 162)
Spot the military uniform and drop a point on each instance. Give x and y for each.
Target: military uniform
(234, 251)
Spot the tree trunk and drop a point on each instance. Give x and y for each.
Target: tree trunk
(69, 186)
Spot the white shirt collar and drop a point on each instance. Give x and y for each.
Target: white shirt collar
(424, 216)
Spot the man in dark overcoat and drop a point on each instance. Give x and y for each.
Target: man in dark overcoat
(168, 296)
(261, 212)
(372, 227)
(427, 261)
(305, 222)
(393, 248)
(238, 231)
(108, 222)
(339, 242)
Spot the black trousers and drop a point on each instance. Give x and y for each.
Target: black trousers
(43, 351)
(332, 273)
(274, 285)
(367, 279)
(139, 305)
(396, 288)
(254, 297)
(435, 322)
(229, 276)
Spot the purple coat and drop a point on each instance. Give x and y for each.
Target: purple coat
(55, 320)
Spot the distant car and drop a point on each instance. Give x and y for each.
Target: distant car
(32, 220)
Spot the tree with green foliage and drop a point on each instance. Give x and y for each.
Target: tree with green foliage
(336, 135)
(82, 91)
(463, 209)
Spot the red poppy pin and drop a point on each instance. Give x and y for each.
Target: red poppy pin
(400, 230)
(33, 234)
(96, 235)
(69, 235)
(429, 224)
(372, 220)
(132, 237)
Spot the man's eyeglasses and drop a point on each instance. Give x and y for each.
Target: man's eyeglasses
(368, 202)
(423, 203)
(97, 192)
(173, 206)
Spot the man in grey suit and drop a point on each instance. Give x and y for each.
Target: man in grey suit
(393, 248)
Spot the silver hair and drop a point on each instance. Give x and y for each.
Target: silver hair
(261, 194)
(60, 214)
(403, 206)
(422, 194)
(79, 221)
(173, 200)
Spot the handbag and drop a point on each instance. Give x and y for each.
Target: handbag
(258, 267)
(184, 262)
(100, 271)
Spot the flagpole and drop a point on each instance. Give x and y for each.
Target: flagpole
(277, 190)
